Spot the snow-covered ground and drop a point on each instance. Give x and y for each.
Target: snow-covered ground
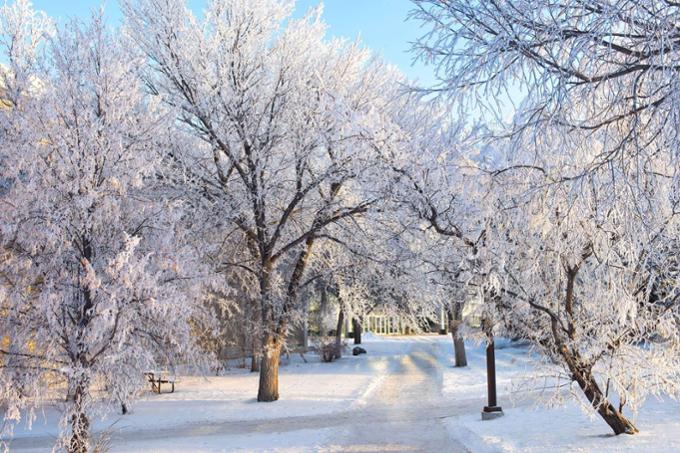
(530, 426)
(403, 395)
(307, 390)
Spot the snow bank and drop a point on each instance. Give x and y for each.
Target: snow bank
(568, 428)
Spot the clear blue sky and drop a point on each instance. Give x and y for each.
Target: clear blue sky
(381, 24)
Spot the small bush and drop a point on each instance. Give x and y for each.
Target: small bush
(329, 351)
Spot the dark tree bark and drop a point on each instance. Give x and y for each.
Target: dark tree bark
(255, 362)
(583, 375)
(257, 356)
(459, 348)
(338, 334)
(270, 346)
(581, 370)
(454, 317)
(356, 327)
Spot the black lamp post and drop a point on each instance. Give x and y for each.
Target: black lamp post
(492, 410)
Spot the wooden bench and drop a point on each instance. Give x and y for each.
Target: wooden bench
(156, 378)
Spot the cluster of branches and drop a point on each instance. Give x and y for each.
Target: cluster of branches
(580, 221)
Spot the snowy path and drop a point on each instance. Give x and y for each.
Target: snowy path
(406, 411)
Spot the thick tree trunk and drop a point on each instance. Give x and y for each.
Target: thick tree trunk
(80, 424)
(458, 342)
(266, 351)
(269, 370)
(338, 334)
(268, 389)
(80, 385)
(356, 327)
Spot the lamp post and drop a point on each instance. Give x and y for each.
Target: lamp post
(492, 409)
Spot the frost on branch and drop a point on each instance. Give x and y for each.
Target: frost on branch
(94, 278)
(582, 245)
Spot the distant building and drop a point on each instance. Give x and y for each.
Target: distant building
(388, 325)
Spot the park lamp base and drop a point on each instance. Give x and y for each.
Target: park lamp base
(489, 413)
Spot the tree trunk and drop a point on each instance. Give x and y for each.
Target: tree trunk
(251, 337)
(581, 372)
(459, 347)
(338, 334)
(80, 424)
(458, 342)
(612, 416)
(304, 328)
(305, 333)
(268, 389)
(585, 379)
(256, 357)
(356, 327)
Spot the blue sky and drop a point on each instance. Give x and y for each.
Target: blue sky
(381, 24)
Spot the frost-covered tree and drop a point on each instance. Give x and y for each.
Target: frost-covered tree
(288, 130)
(95, 288)
(437, 202)
(373, 268)
(578, 270)
(22, 33)
(586, 197)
